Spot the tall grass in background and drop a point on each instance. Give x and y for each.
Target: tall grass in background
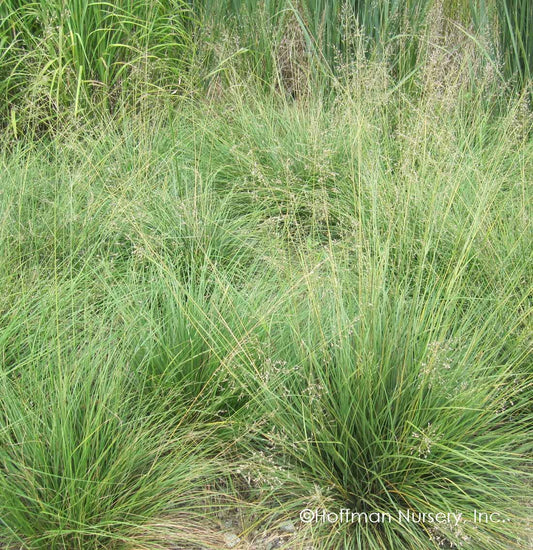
(284, 36)
(515, 24)
(508, 24)
(320, 35)
(57, 55)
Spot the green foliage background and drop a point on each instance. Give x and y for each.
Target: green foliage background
(261, 257)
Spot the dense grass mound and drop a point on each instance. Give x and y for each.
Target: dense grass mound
(268, 306)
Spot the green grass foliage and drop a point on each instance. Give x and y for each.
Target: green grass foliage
(253, 269)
